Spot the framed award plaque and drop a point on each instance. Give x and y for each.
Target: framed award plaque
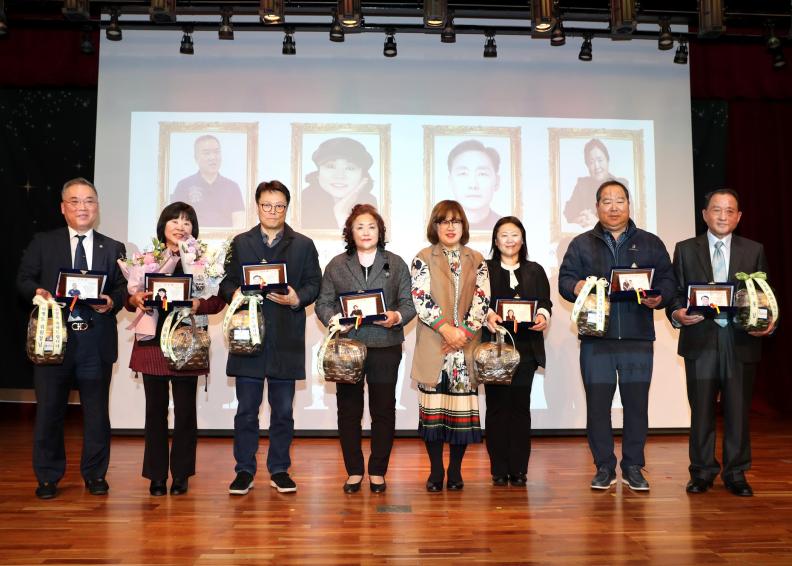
(516, 312)
(168, 290)
(367, 306)
(627, 283)
(710, 299)
(85, 286)
(265, 278)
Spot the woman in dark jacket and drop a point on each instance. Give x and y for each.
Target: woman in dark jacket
(176, 222)
(366, 265)
(508, 418)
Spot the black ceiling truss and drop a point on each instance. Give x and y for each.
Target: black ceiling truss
(743, 20)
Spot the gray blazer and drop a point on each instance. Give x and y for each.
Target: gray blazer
(388, 272)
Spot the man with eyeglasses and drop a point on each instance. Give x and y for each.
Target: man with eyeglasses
(625, 354)
(282, 360)
(92, 345)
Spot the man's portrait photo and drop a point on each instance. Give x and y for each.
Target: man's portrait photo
(580, 161)
(476, 167)
(337, 166)
(210, 167)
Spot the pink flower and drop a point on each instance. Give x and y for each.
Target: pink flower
(148, 258)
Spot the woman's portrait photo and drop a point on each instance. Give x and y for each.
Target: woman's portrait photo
(337, 168)
(580, 161)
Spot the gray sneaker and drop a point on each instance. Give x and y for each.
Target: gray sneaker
(283, 483)
(633, 478)
(241, 484)
(604, 478)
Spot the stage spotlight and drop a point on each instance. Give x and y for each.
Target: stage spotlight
(187, 47)
(226, 30)
(163, 11)
(711, 18)
(389, 49)
(542, 17)
(289, 47)
(586, 52)
(113, 31)
(435, 13)
(86, 45)
(681, 56)
(349, 13)
(271, 11)
(666, 40)
(558, 36)
(448, 35)
(490, 47)
(623, 18)
(336, 31)
(77, 10)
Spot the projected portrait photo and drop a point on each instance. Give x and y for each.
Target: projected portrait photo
(580, 161)
(335, 167)
(211, 166)
(477, 166)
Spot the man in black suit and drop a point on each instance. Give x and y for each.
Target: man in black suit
(719, 357)
(92, 345)
(282, 360)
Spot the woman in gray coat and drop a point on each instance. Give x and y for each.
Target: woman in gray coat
(365, 266)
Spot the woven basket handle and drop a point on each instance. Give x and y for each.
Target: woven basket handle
(499, 338)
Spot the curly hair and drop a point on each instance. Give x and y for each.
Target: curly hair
(358, 210)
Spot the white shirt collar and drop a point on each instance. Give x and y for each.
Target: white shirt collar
(72, 233)
(712, 239)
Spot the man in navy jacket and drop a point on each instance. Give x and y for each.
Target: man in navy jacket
(625, 353)
(282, 360)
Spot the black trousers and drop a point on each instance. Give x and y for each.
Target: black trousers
(381, 373)
(603, 363)
(718, 371)
(82, 365)
(185, 427)
(508, 422)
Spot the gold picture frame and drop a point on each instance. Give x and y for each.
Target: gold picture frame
(306, 137)
(558, 225)
(510, 138)
(250, 130)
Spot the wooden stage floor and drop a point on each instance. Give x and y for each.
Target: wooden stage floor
(557, 519)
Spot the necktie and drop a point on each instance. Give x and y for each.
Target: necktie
(720, 273)
(80, 259)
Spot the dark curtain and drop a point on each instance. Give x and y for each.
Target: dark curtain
(47, 137)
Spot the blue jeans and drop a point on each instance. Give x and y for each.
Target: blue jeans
(280, 394)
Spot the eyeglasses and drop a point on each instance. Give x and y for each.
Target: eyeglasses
(268, 206)
(75, 202)
(454, 223)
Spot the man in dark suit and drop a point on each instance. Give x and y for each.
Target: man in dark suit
(282, 360)
(719, 357)
(92, 345)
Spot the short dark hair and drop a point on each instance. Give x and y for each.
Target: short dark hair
(724, 191)
(610, 183)
(79, 181)
(495, 252)
(275, 187)
(439, 213)
(176, 210)
(358, 210)
(204, 138)
(474, 145)
(595, 143)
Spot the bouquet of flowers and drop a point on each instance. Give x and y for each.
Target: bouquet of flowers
(205, 263)
(157, 259)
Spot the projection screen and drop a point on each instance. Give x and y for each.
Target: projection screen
(537, 106)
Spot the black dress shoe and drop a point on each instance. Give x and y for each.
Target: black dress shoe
(455, 485)
(179, 486)
(518, 480)
(378, 487)
(500, 481)
(352, 487)
(98, 486)
(434, 486)
(158, 488)
(739, 487)
(47, 490)
(698, 485)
